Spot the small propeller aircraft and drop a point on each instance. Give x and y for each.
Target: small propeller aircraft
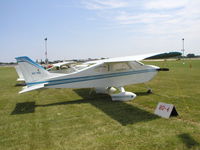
(105, 76)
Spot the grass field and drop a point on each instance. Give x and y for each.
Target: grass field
(71, 119)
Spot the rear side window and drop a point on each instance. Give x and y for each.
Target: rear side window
(123, 66)
(102, 68)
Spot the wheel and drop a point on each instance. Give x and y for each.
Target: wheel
(149, 91)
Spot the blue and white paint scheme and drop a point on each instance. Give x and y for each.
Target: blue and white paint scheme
(103, 75)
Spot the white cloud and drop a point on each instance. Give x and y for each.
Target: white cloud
(156, 16)
(165, 4)
(103, 4)
(166, 19)
(147, 18)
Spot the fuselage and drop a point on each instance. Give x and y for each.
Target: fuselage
(103, 76)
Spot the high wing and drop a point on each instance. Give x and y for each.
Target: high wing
(130, 58)
(123, 59)
(138, 57)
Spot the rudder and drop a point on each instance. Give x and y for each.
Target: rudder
(31, 70)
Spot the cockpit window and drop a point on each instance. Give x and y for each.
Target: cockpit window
(113, 67)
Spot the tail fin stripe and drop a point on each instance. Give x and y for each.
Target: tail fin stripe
(31, 71)
(28, 60)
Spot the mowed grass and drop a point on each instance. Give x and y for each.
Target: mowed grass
(72, 119)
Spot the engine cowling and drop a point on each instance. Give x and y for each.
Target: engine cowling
(123, 96)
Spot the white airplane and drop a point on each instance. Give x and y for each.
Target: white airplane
(103, 75)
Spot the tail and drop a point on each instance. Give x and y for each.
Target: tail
(31, 71)
(19, 73)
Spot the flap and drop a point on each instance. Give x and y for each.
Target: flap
(34, 87)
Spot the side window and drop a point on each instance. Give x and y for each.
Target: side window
(119, 66)
(135, 65)
(102, 68)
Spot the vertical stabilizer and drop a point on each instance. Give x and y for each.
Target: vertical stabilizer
(21, 77)
(31, 70)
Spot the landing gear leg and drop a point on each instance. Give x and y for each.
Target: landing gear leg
(149, 90)
(91, 91)
(121, 89)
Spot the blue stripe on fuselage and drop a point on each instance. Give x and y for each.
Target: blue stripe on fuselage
(87, 78)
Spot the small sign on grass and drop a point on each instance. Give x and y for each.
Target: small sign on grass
(165, 110)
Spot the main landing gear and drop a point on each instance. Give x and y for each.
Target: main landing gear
(123, 95)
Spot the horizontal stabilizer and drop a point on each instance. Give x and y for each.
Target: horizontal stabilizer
(20, 79)
(31, 88)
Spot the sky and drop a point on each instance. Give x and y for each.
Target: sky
(81, 29)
